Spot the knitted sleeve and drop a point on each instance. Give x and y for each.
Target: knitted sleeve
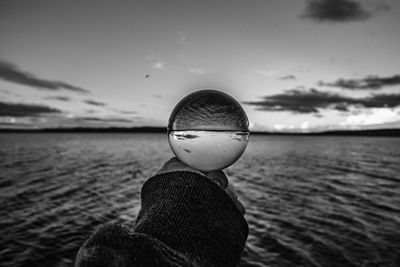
(192, 215)
(185, 220)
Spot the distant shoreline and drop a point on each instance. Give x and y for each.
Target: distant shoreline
(377, 132)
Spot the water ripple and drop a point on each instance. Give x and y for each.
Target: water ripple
(311, 201)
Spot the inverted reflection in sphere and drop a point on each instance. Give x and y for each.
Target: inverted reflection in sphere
(208, 130)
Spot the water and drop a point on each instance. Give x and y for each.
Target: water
(311, 201)
(208, 150)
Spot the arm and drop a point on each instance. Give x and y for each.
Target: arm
(185, 220)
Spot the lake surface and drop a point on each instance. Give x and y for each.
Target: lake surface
(311, 201)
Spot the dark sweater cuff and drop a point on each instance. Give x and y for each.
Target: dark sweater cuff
(115, 245)
(194, 216)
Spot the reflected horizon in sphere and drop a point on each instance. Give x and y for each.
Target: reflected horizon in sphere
(208, 130)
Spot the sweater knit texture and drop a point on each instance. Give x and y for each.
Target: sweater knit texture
(185, 220)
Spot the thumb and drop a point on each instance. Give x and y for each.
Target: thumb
(219, 178)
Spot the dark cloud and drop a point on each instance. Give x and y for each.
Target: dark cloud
(380, 6)
(335, 11)
(127, 112)
(123, 112)
(311, 101)
(6, 92)
(60, 98)
(288, 77)
(22, 110)
(90, 111)
(10, 72)
(107, 120)
(318, 115)
(382, 100)
(95, 103)
(368, 83)
(15, 124)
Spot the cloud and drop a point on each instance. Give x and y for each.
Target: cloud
(127, 112)
(107, 120)
(95, 103)
(312, 100)
(182, 38)
(382, 100)
(22, 110)
(6, 92)
(304, 125)
(60, 98)
(268, 73)
(372, 117)
(368, 83)
(159, 65)
(14, 124)
(123, 112)
(156, 95)
(196, 71)
(288, 77)
(335, 11)
(11, 73)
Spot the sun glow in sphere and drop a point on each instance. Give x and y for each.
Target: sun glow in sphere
(208, 130)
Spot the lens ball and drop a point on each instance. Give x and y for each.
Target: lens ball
(208, 130)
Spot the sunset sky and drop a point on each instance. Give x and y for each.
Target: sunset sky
(294, 65)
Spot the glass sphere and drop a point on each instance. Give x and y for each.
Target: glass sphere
(208, 130)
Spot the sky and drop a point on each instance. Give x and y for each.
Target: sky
(294, 65)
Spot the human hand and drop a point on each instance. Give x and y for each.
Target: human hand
(218, 177)
(174, 164)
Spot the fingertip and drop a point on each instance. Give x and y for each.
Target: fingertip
(173, 159)
(240, 207)
(219, 178)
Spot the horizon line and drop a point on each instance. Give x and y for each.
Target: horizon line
(156, 129)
